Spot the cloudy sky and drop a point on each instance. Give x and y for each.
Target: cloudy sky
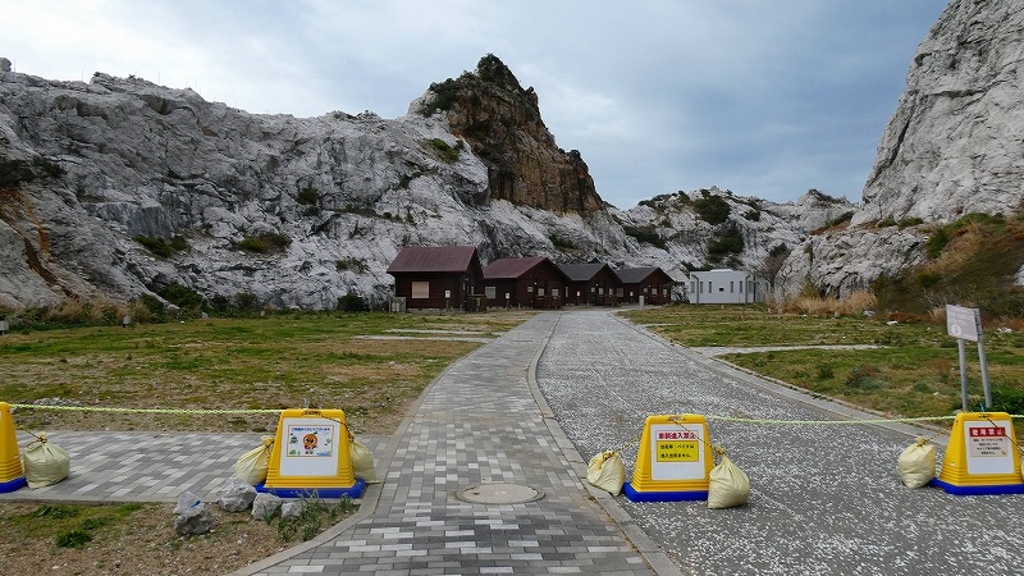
(766, 98)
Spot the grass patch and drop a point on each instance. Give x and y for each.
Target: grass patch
(280, 361)
(915, 374)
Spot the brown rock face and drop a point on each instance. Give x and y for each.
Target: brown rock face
(501, 121)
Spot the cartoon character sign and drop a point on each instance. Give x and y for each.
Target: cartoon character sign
(313, 441)
(309, 443)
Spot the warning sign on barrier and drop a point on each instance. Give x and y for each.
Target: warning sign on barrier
(311, 454)
(981, 458)
(673, 461)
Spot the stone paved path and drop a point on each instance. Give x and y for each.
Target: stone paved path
(479, 423)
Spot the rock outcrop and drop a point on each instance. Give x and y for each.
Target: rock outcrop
(950, 148)
(119, 187)
(502, 122)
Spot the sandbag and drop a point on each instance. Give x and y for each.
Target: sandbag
(728, 485)
(44, 463)
(917, 464)
(252, 466)
(606, 471)
(362, 462)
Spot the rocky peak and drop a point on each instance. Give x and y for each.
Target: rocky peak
(950, 148)
(501, 120)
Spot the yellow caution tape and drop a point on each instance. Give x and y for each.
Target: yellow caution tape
(143, 410)
(831, 422)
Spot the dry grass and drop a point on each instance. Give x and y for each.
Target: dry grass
(856, 303)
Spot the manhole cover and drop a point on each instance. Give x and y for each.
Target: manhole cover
(500, 494)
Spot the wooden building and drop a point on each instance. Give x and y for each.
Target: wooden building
(438, 277)
(592, 284)
(654, 284)
(524, 283)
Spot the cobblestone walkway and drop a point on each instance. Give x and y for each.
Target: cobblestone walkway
(479, 423)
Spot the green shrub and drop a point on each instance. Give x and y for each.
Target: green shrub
(74, 539)
(646, 234)
(754, 215)
(886, 222)
(353, 264)
(711, 208)
(265, 243)
(182, 296)
(562, 243)
(308, 196)
(246, 301)
(825, 372)
(1008, 400)
(865, 377)
(353, 302)
(729, 242)
(445, 152)
(162, 247)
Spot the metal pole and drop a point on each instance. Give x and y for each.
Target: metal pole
(963, 373)
(984, 372)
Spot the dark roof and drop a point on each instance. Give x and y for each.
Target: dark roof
(581, 272)
(433, 259)
(636, 275)
(511, 267)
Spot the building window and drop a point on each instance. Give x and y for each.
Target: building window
(491, 292)
(421, 290)
(540, 291)
(732, 287)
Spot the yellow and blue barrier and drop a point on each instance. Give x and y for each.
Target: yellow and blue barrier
(12, 477)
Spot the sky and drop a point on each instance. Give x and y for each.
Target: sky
(765, 98)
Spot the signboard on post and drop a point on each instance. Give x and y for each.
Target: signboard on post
(965, 324)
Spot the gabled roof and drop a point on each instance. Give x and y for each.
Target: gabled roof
(511, 267)
(582, 272)
(433, 259)
(638, 275)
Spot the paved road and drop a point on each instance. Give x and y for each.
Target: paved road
(825, 499)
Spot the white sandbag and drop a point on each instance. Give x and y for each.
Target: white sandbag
(362, 462)
(728, 485)
(44, 463)
(917, 464)
(607, 472)
(252, 466)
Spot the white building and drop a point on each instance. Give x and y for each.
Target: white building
(724, 286)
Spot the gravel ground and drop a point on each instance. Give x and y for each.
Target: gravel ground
(825, 499)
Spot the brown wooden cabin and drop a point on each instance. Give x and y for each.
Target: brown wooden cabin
(524, 283)
(654, 284)
(592, 284)
(438, 277)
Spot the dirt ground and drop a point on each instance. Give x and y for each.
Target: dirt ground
(143, 544)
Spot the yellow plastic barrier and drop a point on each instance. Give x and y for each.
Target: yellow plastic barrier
(673, 462)
(981, 457)
(12, 476)
(311, 456)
